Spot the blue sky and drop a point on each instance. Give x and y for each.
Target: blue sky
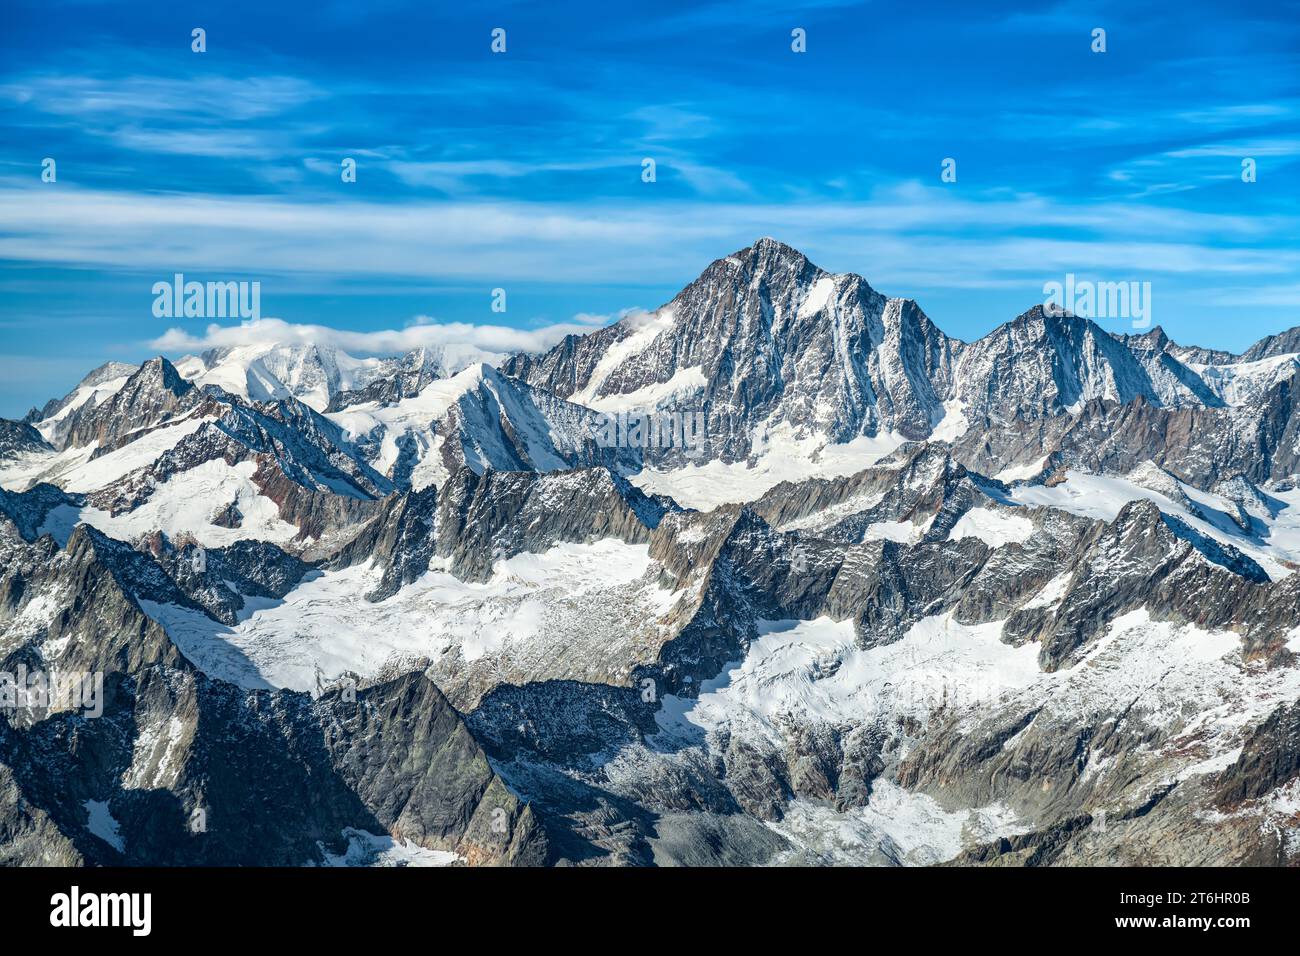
(522, 170)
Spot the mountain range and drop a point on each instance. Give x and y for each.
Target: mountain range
(1026, 600)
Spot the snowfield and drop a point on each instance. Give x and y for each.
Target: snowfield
(895, 828)
(646, 328)
(780, 457)
(815, 671)
(420, 426)
(994, 528)
(678, 390)
(1274, 541)
(185, 505)
(1192, 684)
(187, 502)
(372, 849)
(74, 469)
(569, 613)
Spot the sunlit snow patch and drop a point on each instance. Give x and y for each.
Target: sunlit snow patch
(646, 327)
(1104, 496)
(188, 501)
(575, 611)
(994, 528)
(779, 456)
(814, 670)
(953, 424)
(101, 823)
(372, 849)
(896, 826)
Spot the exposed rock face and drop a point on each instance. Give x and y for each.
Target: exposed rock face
(186, 765)
(59, 414)
(1270, 760)
(397, 760)
(1198, 445)
(1043, 363)
(477, 519)
(153, 393)
(411, 374)
(764, 339)
(30, 510)
(1284, 343)
(222, 581)
(772, 340)
(19, 438)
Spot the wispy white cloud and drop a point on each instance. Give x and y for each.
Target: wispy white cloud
(1239, 148)
(1188, 168)
(225, 143)
(595, 321)
(910, 236)
(461, 177)
(98, 98)
(1281, 296)
(423, 333)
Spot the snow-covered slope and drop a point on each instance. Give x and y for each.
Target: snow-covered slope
(1024, 600)
(1044, 363)
(318, 376)
(1246, 382)
(94, 389)
(573, 612)
(479, 418)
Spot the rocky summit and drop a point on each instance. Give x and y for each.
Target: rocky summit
(777, 573)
